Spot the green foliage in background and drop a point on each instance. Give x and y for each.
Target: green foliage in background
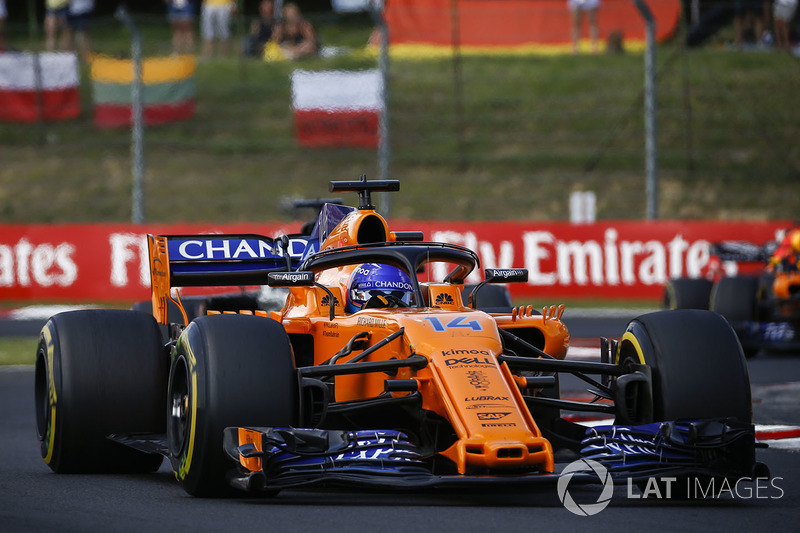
(17, 350)
(531, 130)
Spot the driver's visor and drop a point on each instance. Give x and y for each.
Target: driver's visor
(362, 297)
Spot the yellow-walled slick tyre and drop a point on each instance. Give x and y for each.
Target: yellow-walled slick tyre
(687, 293)
(227, 370)
(698, 368)
(99, 372)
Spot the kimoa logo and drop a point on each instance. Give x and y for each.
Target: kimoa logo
(465, 352)
(591, 467)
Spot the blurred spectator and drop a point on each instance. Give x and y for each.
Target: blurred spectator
(260, 29)
(181, 15)
(576, 10)
(748, 15)
(80, 11)
(215, 19)
(294, 34)
(3, 16)
(784, 11)
(55, 25)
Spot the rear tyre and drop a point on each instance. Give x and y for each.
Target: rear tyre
(698, 368)
(687, 293)
(99, 372)
(735, 298)
(765, 298)
(227, 370)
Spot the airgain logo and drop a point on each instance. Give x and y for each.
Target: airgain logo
(444, 299)
(326, 300)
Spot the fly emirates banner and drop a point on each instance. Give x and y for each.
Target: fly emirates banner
(625, 259)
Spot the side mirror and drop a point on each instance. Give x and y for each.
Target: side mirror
(506, 275)
(301, 278)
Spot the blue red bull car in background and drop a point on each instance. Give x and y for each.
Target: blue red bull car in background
(755, 287)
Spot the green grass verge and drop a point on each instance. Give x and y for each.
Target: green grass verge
(528, 131)
(18, 350)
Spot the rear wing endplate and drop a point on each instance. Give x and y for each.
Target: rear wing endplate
(215, 261)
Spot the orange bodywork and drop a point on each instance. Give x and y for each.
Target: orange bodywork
(463, 381)
(785, 284)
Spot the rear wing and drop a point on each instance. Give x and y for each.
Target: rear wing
(215, 261)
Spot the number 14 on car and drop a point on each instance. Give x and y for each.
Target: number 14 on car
(455, 323)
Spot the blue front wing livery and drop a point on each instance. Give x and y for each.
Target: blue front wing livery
(295, 457)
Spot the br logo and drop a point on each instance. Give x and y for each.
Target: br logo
(590, 468)
(444, 299)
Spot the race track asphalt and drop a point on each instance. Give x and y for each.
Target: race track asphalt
(32, 498)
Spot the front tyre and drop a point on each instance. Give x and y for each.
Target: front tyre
(698, 368)
(227, 370)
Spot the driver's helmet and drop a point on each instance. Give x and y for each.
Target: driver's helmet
(371, 280)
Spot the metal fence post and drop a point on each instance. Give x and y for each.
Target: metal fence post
(650, 124)
(384, 149)
(137, 127)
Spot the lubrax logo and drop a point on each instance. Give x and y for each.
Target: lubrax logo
(444, 299)
(492, 416)
(486, 399)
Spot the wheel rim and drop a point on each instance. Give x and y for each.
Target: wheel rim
(42, 394)
(178, 418)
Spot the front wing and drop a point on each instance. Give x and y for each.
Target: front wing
(270, 459)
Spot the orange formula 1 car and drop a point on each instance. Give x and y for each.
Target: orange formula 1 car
(376, 373)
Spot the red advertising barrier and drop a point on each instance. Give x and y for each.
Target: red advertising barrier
(603, 260)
